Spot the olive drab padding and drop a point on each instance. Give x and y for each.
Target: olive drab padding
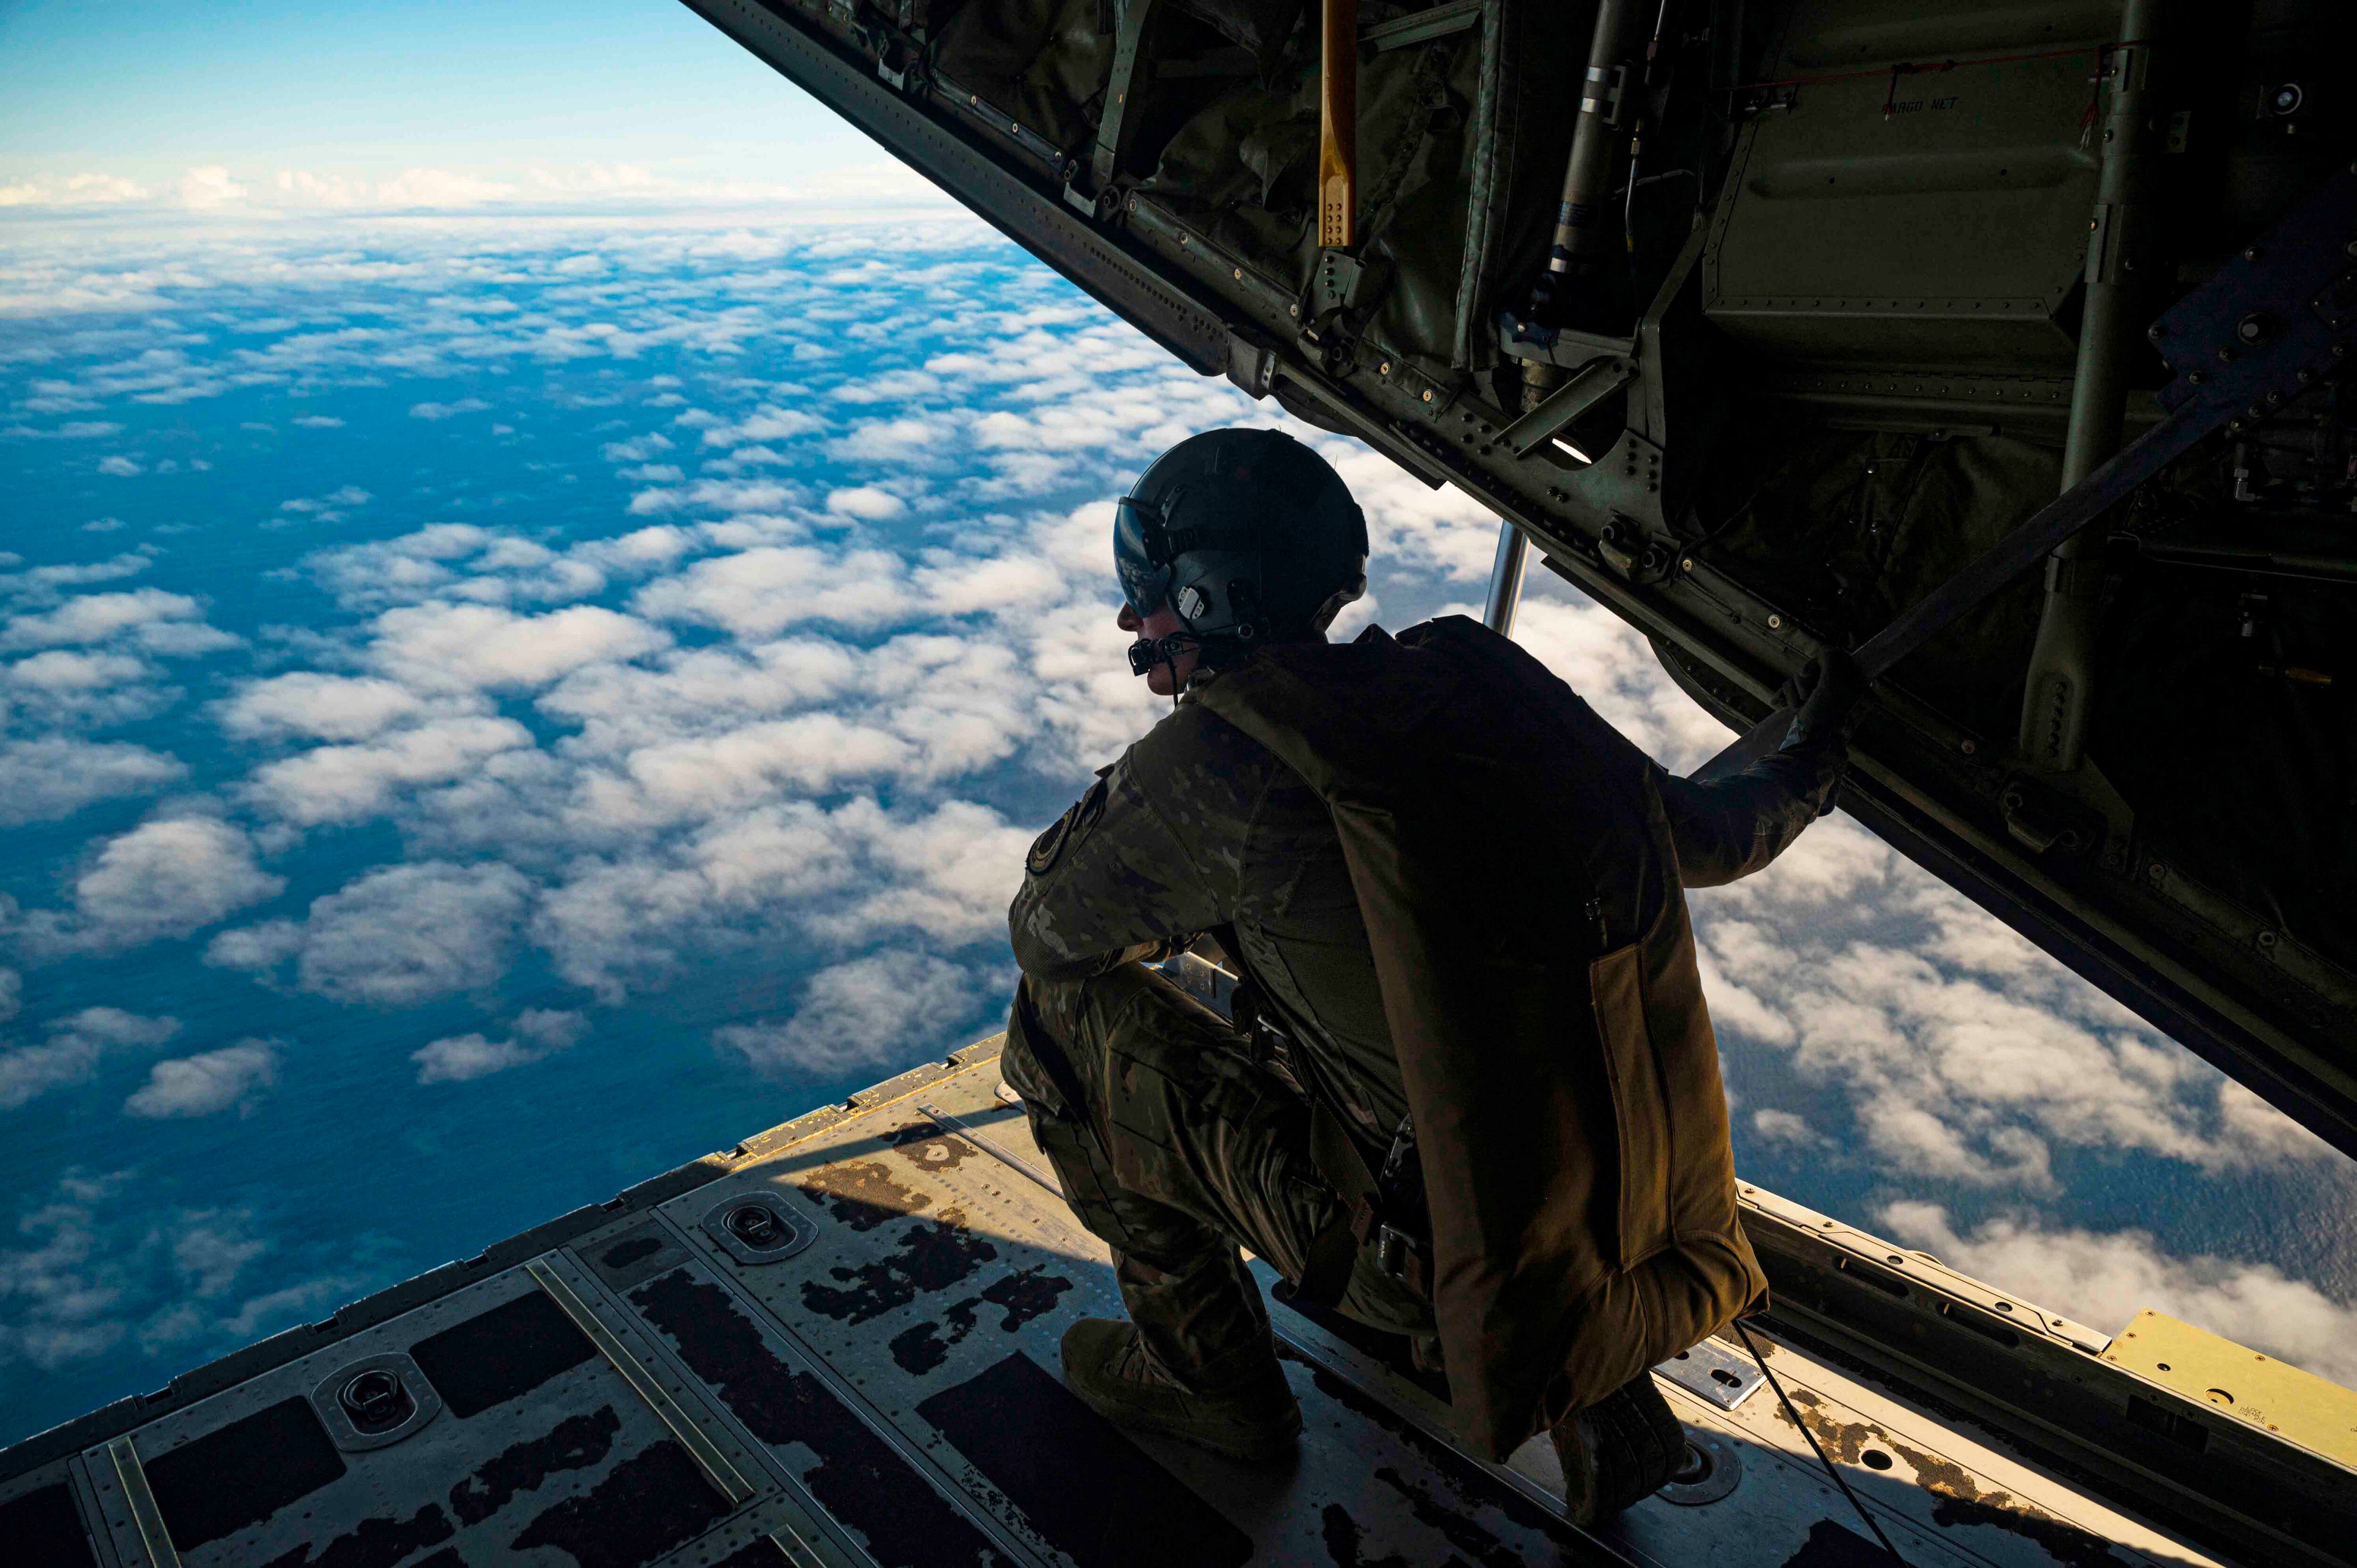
(1513, 866)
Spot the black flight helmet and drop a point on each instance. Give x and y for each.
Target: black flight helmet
(1249, 535)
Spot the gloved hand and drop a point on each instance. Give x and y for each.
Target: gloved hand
(1827, 693)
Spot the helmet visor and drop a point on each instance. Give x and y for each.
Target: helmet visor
(1145, 582)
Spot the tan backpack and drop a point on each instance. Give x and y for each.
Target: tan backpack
(1514, 869)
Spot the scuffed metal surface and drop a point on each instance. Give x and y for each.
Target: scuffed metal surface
(850, 1386)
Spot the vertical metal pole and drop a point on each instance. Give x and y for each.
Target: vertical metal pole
(1582, 225)
(1338, 126)
(1506, 580)
(1581, 233)
(2059, 696)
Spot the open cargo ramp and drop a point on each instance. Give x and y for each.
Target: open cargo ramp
(837, 1344)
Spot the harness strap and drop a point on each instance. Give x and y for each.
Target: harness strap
(1335, 1250)
(1363, 1223)
(1045, 1050)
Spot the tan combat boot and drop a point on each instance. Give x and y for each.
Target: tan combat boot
(1106, 1363)
(1617, 1451)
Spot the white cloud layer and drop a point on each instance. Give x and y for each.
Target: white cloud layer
(166, 878)
(396, 937)
(859, 1013)
(53, 776)
(207, 1083)
(72, 1051)
(95, 1275)
(538, 1033)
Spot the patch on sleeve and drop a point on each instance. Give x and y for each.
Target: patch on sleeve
(1048, 847)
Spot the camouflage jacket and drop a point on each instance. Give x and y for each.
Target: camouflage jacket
(1197, 826)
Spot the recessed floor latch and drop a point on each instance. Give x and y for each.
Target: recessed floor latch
(758, 1227)
(375, 1402)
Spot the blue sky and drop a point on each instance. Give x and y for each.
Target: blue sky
(352, 96)
(534, 649)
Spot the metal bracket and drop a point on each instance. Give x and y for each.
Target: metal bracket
(1750, 102)
(1625, 481)
(2040, 820)
(1251, 365)
(1603, 94)
(1599, 380)
(1344, 284)
(1559, 346)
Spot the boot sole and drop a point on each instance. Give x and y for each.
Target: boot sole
(1634, 1441)
(1260, 1447)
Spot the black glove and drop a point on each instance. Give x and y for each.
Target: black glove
(1826, 691)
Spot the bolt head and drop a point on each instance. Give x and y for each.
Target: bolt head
(1775, 623)
(1384, 369)
(2196, 377)
(2255, 328)
(1427, 395)
(1686, 564)
(2225, 355)
(1293, 310)
(2253, 253)
(2306, 375)
(1969, 747)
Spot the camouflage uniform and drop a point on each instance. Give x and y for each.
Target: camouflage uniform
(1173, 1145)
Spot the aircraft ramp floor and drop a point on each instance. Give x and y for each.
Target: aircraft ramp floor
(837, 1345)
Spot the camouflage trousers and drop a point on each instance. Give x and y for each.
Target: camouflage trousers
(1179, 1149)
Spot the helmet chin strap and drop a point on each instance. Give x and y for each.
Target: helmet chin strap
(1148, 652)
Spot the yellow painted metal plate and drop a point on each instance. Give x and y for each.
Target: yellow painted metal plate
(2270, 1394)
